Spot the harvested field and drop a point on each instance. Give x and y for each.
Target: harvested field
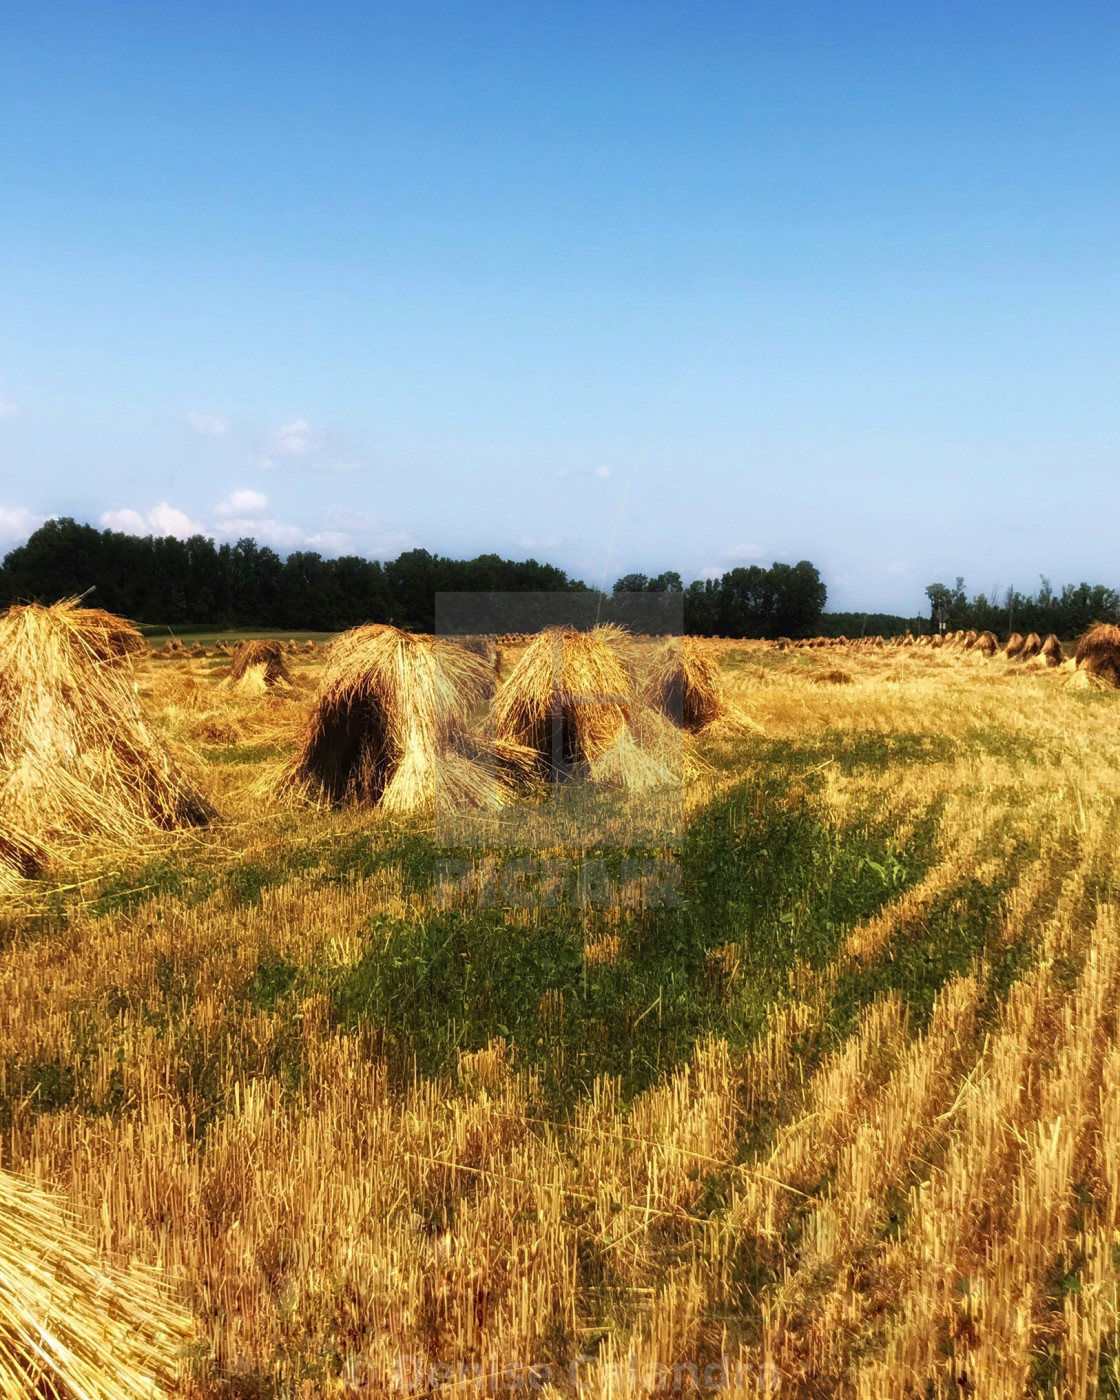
(840, 1117)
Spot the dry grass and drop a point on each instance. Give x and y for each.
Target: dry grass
(878, 1204)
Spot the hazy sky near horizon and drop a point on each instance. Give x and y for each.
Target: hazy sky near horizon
(752, 282)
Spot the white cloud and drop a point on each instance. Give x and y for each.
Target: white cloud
(160, 520)
(209, 424)
(362, 532)
(712, 572)
(293, 439)
(333, 541)
(8, 409)
(166, 520)
(243, 514)
(301, 446)
(125, 522)
(243, 502)
(745, 551)
(263, 529)
(601, 473)
(16, 523)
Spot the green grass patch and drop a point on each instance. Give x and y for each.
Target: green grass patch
(123, 891)
(244, 753)
(762, 871)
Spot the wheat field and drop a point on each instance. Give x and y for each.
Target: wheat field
(841, 1119)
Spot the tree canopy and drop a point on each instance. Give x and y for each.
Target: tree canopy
(162, 580)
(1067, 614)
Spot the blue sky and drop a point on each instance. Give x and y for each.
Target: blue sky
(750, 282)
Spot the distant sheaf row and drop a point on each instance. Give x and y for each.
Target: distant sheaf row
(174, 648)
(1096, 655)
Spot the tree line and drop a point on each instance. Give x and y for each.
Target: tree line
(166, 581)
(786, 600)
(159, 580)
(1067, 613)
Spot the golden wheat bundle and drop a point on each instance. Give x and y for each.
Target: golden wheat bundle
(391, 726)
(1051, 651)
(109, 637)
(569, 691)
(77, 758)
(970, 638)
(1098, 653)
(570, 704)
(1014, 646)
(1032, 645)
(258, 666)
(21, 859)
(987, 644)
(309, 647)
(683, 682)
(834, 677)
(70, 1330)
(20, 854)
